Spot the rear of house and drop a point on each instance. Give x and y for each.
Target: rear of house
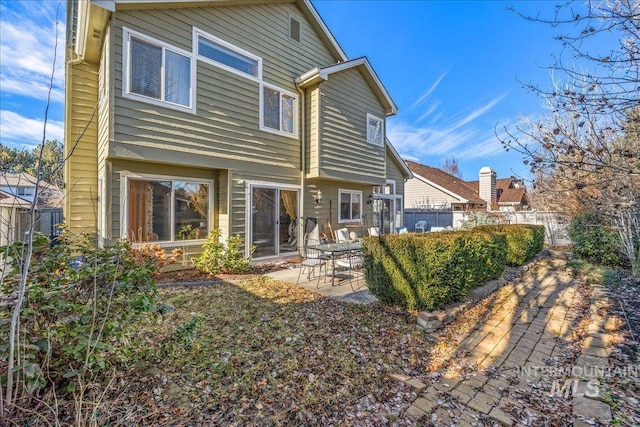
(183, 117)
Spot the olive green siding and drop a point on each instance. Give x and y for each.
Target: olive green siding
(394, 173)
(345, 154)
(226, 124)
(328, 210)
(81, 136)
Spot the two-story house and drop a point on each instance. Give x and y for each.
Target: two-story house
(247, 116)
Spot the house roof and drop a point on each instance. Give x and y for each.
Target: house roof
(9, 200)
(512, 196)
(48, 195)
(508, 193)
(321, 74)
(501, 184)
(447, 181)
(17, 179)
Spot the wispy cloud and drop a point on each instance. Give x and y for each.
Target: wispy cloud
(428, 111)
(468, 118)
(429, 91)
(19, 131)
(27, 41)
(459, 136)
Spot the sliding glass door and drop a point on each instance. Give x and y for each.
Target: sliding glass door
(274, 217)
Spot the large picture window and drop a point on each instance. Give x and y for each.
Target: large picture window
(350, 205)
(156, 72)
(375, 130)
(278, 110)
(165, 210)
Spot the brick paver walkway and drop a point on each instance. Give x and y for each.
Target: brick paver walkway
(522, 357)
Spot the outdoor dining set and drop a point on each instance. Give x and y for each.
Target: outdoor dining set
(343, 254)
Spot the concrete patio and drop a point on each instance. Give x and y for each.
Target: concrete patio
(341, 290)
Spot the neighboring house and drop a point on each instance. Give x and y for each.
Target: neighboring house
(511, 194)
(433, 189)
(17, 193)
(243, 116)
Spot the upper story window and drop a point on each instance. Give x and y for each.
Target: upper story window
(279, 110)
(375, 130)
(26, 191)
(156, 72)
(222, 54)
(350, 205)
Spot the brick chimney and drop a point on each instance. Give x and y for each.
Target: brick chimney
(487, 186)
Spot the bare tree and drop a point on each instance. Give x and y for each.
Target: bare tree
(585, 150)
(26, 261)
(451, 166)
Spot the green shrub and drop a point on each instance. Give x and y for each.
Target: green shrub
(593, 240)
(82, 304)
(426, 271)
(218, 257)
(523, 241)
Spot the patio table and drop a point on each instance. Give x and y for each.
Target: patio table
(335, 250)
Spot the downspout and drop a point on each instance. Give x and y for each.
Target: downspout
(303, 165)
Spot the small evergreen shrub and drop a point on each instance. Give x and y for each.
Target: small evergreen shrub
(426, 271)
(593, 240)
(81, 307)
(523, 241)
(220, 258)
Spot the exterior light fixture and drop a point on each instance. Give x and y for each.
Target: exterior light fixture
(318, 197)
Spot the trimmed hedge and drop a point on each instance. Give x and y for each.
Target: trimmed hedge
(523, 241)
(426, 271)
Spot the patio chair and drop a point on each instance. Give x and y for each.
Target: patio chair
(342, 235)
(421, 225)
(312, 259)
(354, 261)
(374, 231)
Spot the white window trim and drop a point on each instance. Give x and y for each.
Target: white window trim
(342, 191)
(124, 217)
(264, 128)
(198, 32)
(101, 214)
(127, 33)
(371, 116)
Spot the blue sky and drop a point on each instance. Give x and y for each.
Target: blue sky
(452, 67)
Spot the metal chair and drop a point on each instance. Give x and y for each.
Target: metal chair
(313, 258)
(354, 261)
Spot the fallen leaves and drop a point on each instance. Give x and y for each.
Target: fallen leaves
(274, 352)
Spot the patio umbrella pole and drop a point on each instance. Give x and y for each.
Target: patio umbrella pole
(329, 222)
